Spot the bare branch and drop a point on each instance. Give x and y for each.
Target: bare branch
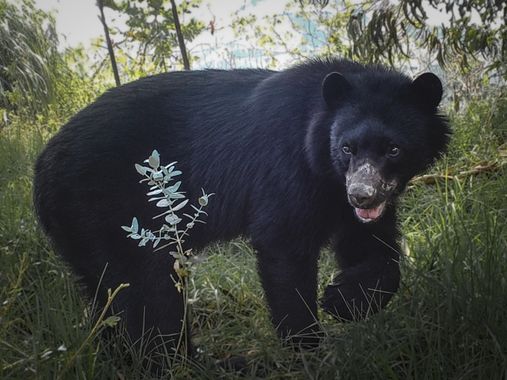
(102, 17)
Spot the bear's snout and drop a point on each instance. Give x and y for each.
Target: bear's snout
(366, 192)
(362, 195)
(364, 186)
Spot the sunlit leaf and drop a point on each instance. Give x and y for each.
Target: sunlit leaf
(141, 169)
(180, 205)
(172, 219)
(154, 160)
(163, 203)
(135, 225)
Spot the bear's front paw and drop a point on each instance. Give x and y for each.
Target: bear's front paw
(349, 300)
(343, 303)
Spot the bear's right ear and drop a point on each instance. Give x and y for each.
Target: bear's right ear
(335, 88)
(428, 89)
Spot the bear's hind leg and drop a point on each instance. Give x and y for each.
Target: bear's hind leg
(151, 309)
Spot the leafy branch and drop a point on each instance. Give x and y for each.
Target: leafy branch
(165, 191)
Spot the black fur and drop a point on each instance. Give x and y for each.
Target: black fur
(269, 146)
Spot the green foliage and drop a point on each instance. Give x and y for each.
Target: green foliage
(468, 54)
(480, 132)
(29, 60)
(74, 88)
(151, 30)
(167, 194)
(302, 31)
(475, 31)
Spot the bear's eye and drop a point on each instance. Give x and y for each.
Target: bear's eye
(393, 151)
(346, 149)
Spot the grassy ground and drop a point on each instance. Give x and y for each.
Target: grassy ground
(447, 322)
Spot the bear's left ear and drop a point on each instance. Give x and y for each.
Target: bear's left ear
(428, 89)
(335, 88)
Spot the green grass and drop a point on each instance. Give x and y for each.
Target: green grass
(448, 320)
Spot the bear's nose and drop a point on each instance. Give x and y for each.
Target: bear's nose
(362, 195)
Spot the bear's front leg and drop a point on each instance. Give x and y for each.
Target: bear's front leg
(368, 256)
(289, 279)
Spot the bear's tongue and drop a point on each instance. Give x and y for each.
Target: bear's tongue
(371, 213)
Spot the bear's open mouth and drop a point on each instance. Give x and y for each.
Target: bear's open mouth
(368, 215)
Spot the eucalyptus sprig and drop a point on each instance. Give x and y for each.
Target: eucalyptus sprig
(165, 191)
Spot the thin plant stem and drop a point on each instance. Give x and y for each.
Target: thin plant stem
(96, 328)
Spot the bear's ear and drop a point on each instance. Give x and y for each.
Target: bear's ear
(427, 88)
(335, 88)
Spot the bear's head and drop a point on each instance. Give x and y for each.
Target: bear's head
(377, 130)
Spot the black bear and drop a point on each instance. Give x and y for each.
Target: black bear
(313, 154)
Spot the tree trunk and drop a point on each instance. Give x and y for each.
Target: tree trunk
(102, 17)
(181, 41)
